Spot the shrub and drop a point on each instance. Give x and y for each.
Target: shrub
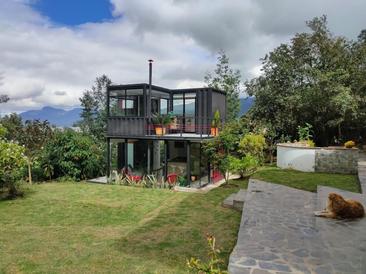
(349, 144)
(12, 160)
(213, 265)
(305, 132)
(252, 144)
(74, 155)
(244, 166)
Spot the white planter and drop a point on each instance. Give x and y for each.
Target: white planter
(295, 157)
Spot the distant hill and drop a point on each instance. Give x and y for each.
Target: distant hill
(66, 118)
(56, 116)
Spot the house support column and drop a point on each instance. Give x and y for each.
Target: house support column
(156, 155)
(188, 162)
(108, 158)
(209, 172)
(165, 160)
(126, 154)
(148, 157)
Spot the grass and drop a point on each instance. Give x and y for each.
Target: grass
(89, 228)
(307, 180)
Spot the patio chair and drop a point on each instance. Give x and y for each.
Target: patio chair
(172, 178)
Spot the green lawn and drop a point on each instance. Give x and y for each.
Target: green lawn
(307, 180)
(89, 228)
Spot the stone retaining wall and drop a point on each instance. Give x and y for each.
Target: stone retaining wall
(318, 159)
(336, 160)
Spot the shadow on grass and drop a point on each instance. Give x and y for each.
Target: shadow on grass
(21, 193)
(178, 232)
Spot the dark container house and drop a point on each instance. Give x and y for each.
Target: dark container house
(134, 145)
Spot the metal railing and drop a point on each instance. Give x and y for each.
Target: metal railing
(188, 126)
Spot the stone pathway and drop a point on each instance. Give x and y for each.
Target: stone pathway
(280, 234)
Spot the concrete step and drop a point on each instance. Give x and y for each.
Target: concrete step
(239, 199)
(229, 201)
(235, 200)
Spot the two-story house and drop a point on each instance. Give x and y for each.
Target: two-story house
(134, 145)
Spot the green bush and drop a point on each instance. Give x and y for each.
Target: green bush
(12, 160)
(305, 132)
(74, 155)
(245, 166)
(213, 265)
(252, 144)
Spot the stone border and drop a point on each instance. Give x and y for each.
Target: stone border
(292, 145)
(206, 188)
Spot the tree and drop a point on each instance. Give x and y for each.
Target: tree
(226, 79)
(252, 144)
(244, 166)
(3, 98)
(72, 154)
(218, 150)
(356, 124)
(35, 134)
(11, 161)
(14, 126)
(94, 114)
(306, 81)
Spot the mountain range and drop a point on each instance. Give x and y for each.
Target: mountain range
(56, 116)
(66, 118)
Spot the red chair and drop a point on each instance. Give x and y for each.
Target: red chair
(172, 178)
(135, 178)
(216, 176)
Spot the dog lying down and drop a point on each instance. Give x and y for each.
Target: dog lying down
(339, 208)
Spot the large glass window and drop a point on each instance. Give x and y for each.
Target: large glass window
(126, 103)
(164, 106)
(178, 102)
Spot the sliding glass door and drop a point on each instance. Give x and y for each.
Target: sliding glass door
(184, 108)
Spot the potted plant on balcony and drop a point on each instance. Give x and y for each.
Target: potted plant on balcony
(161, 122)
(216, 123)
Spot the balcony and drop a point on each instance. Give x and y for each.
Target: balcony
(130, 109)
(182, 128)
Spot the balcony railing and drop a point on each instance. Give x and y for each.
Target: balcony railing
(189, 126)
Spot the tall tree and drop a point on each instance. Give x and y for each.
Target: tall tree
(227, 80)
(35, 135)
(94, 115)
(14, 126)
(3, 98)
(306, 81)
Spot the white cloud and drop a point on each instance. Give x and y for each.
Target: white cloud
(46, 64)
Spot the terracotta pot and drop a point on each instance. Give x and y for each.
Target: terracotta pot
(160, 131)
(214, 131)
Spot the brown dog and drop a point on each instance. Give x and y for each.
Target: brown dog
(339, 208)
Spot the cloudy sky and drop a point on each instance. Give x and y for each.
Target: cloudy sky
(51, 51)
